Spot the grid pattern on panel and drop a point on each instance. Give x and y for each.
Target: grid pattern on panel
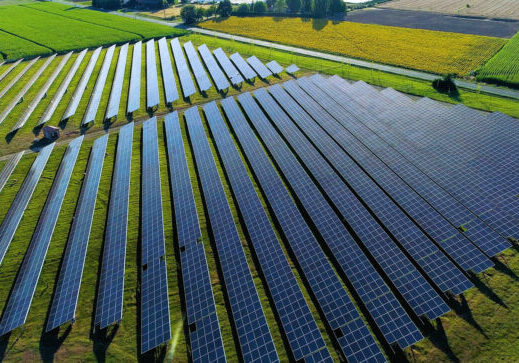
(56, 99)
(214, 70)
(292, 69)
(111, 284)
(63, 306)
(369, 285)
(259, 67)
(184, 75)
(10, 68)
(117, 86)
(300, 328)
(411, 284)
(198, 69)
(243, 66)
(152, 82)
(8, 169)
(227, 66)
(441, 270)
(19, 302)
(15, 212)
(205, 337)
(168, 79)
(253, 332)
(81, 87)
(41, 93)
(134, 91)
(274, 67)
(16, 78)
(377, 136)
(95, 98)
(19, 96)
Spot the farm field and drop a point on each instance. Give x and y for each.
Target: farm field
(491, 9)
(13, 47)
(503, 68)
(436, 52)
(172, 11)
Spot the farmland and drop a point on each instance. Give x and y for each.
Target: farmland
(13, 47)
(436, 52)
(503, 68)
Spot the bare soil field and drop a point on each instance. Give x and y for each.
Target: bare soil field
(170, 12)
(508, 9)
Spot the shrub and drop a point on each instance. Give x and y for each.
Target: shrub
(259, 7)
(188, 14)
(243, 9)
(445, 85)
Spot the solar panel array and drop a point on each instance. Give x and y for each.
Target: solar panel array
(117, 85)
(188, 87)
(16, 78)
(10, 68)
(214, 70)
(66, 295)
(168, 78)
(227, 66)
(244, 68)
(259, 67)
(17, 308)
(152, 83)
(111, 284)
(202, 80)
(274, 67)
(134, 92)
(8, 168)
(249, 319)
(292, 69)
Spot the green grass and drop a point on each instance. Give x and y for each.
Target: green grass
(13, 47)
(503, 68)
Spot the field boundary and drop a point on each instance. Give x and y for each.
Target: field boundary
(29, 40)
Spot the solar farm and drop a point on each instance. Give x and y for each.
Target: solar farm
(252, 210)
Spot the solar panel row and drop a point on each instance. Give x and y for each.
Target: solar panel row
(117, 86)
(198, 69)
(66, 294)
(56, 99)
(95, 98)
(214, 70)
(17, 308)
(134, 92)
(188, 87)
(16, 78)
(81, 87)
(10, 68)
(292, 69)
(274, 67)
(41, 93)
(170, 85)
(259, 67)
(8, 169)
(227, 66)
(300, 328)
(243, 66)
(249, 319)
(152, 83)
(111, 284)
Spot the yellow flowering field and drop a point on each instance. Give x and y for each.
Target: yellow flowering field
(432, 51)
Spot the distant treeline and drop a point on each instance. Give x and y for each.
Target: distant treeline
(308, 8)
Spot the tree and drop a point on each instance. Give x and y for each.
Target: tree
(200, 14)
(306, 6)
(270, 3)
(188, 14)
(243, 9)
(210, 11)
(260, 7)
(224, 8)
(320, 8)
(280, 6)
(184, 1)
(337, 7)
(294, 5)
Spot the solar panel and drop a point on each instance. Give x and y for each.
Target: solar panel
(188, 87)
(65, 299)
(152, 83)
(10, 68)
(274, 67)
(168, 79)
(17, 77)
(111, 285)
(15, 213)
(134, 92)
(214, 70)
(302, 333)
(117, 86)
(20, 95)
(370, 287)
(41, 93)
(95, 98)
(204, 331)
(292, 69)
(198, 69)
(243, 66)
(81, 87)
(227, 66)
(49, 111)
(249, 319)
(9, 168)
(17, 308)
(259, 67)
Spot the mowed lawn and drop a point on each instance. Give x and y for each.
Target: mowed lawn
(36, 31)
(432, 51)
(503, 68)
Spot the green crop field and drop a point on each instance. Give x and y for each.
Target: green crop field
(503, 68)
(13, 47)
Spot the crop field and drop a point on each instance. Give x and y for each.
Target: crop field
(45, 30)
(492, 9)
(503, 68)
(436, 52)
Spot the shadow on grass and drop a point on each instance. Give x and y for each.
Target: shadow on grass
(501, 265)
(438, 337)
(50, 343)
(462, 309)
(486, 290)
(102, 339)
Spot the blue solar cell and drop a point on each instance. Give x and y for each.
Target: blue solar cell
(17, 308)
(184, 75)
(16, 78)
(64, 303)
(292, 69)
(243, 66)
(198, 69)
(227, 66)
(274, 67)
(8, 169)
(216, 73)
(259, 67)
(111, 285)
(168, 79)
(251, 325)
(15, 213)
(152, 83)
(117, 86)
(134, 92)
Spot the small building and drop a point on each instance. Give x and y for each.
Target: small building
(51, 132)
